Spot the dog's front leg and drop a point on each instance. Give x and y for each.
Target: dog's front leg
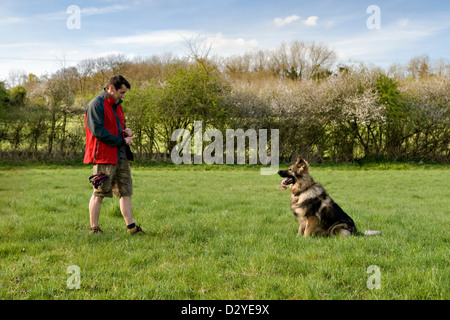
(301, 227)
(311, 226)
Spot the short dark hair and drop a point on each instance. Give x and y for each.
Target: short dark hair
(117, 82)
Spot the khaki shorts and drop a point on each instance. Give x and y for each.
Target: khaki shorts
(119, 180)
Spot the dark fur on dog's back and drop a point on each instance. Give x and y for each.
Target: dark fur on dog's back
(316, 212)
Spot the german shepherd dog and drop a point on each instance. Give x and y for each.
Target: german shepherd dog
(316, 212)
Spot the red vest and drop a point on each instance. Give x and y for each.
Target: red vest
(97, 151)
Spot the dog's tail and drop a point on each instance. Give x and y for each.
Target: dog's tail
(372, 233)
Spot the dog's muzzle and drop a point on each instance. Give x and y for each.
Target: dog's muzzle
(286, 182)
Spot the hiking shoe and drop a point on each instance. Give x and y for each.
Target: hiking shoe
(136, 230)
(95, 230)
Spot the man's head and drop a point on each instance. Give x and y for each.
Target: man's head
(117, 86)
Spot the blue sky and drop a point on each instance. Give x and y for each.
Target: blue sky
(35, 37)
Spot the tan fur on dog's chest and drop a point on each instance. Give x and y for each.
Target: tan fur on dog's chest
(297, 200)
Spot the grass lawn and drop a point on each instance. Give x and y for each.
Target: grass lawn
(225, 233)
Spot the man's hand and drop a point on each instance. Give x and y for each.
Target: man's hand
(128, 132)
(129, 140)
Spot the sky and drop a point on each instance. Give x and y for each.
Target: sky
(41, 37)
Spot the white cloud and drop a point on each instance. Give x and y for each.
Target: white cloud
(311, 21)
(403, 22)
(27, 45)
(128, 56)
(158, 38)
(224, 44)
(330, 24)
(282, 22)
(104, 10)
(91, 11)
(374, 44)
(11, 20)
(173, 38)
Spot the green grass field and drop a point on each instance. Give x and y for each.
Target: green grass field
(224, 233)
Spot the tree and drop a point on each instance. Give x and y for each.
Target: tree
(140, 107)
(59, 92)
(16, 115)
(4, 100)
(419, 67)
(191, 94)
(4, 105)
(302, 61)
(321, 59)
(428, 105)
(396, 114)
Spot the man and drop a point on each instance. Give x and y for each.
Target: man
(107, 147)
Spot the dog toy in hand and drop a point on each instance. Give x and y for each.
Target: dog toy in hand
(97, 179)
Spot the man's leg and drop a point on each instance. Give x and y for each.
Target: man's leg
(123, 188)
(127, 212)
(94, 210)
(127, 209)
(103, 190)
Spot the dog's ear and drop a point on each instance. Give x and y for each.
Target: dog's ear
(302, 165)
(305, 163)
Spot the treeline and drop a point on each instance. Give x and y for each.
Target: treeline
(323, 110)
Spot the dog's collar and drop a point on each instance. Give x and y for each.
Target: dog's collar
(298, 193)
